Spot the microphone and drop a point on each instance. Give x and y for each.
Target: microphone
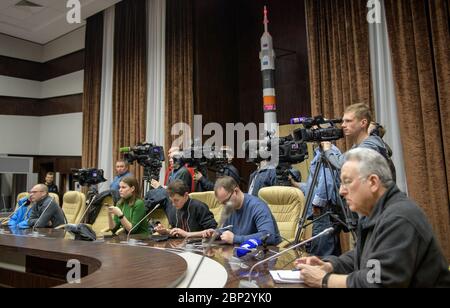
(135, 226)
(226, 212)
(87, 208)
(33, 231)
(247, 247)
(24, 201)
(252, 284)
(125, 150)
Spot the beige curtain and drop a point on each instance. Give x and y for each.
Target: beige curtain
(92, 89)
(130, 77)
(179, 66)
(420, 44)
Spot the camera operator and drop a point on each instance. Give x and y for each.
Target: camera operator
(356, 121)
(264, 176)
(376, 129)
(176, 171)
(324, 196)
(122, 172)
(204, 184)
(50, 183)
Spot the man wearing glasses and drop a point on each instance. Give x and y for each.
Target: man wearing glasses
(45, 212)
(396, 246)
(251, 218)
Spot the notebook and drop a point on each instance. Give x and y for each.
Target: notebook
(286, 276)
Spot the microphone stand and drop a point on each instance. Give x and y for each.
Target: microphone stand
(135, 242)
(226, 212)
(35, 233)
(252, 284)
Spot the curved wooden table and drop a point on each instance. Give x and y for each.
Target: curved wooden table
(110, 264)
(103, 265)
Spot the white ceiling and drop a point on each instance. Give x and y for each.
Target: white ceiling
(44, 24)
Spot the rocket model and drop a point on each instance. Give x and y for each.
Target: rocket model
(267, 57)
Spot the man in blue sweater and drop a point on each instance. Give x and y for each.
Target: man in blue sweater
(251, 218)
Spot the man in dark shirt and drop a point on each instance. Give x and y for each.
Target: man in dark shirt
(50, 182)
(396, 246)
(45, 212)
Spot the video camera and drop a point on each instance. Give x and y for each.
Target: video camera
(88, 177)
(289, 150)
(318, 134)
(200, 158)
(147, 155)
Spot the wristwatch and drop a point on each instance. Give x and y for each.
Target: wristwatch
(325, 280)
(121, 216)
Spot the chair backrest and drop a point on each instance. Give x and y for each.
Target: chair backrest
(20, 196)
(101, 223)
(286, 205)
(209, 198)
(73, 202)
(55, 197)
(160, 215)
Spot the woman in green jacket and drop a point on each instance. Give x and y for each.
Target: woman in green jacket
(129, 210)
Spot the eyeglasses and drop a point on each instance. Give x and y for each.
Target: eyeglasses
(35, 191)
(346, 183)
(229, 197)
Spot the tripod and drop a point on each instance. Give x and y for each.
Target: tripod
(349, 223)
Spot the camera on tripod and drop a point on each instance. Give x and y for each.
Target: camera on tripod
(314, 132)
(148, 156)
(290, 152)
(200, 158)
(87, 177)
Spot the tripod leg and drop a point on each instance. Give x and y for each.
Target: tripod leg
(309, 197)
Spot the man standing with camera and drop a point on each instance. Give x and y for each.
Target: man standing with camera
(356, 121)
(122, 172)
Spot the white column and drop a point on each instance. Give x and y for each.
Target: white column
(384, 92)
(105, 155)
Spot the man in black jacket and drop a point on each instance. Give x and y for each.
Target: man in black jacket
(396, 246)
(45, 212)
(188, 217)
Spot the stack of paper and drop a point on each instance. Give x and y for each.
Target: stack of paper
(286, 276)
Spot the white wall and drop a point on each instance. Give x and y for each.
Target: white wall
(25, 50)
(64, 45)
(17, 48)
(19, 135)
(61, 134)
(49, 135)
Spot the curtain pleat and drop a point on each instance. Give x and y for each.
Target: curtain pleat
(130, 77)
(179, 67)
(420, 47)
(92, 89)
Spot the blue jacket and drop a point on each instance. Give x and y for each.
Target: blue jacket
(253, 221)
(20, 217)
(261, 178)
(116, 181)
(325, 190)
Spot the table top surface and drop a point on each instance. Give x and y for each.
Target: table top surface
(115, 263)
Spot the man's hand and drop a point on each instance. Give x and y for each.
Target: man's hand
(228, 237)
(326, 145)
(293, 182)
(178, 232)
(155, 184)
(197, 176)
(314, 261)
(161, 229)
(208, 233)
(312, 275)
